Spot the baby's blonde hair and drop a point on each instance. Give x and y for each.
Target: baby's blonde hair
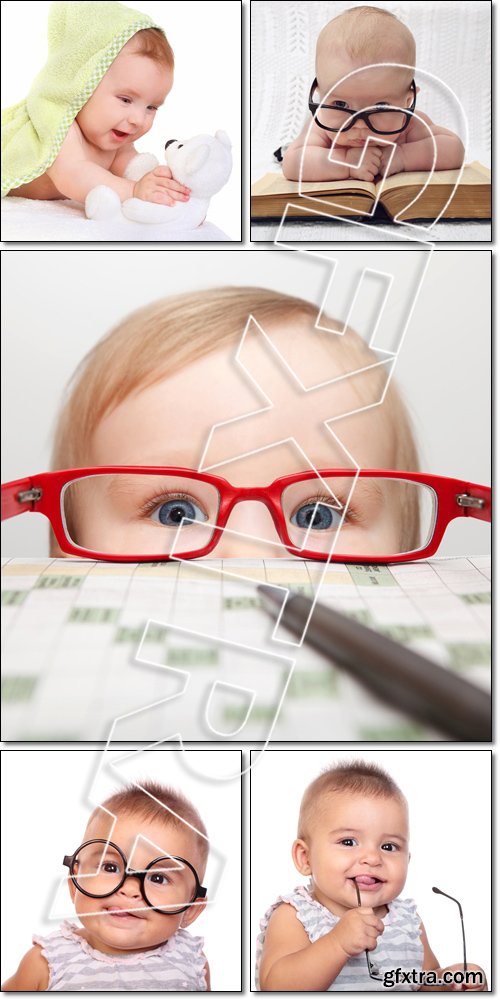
(358, 777)
(367, 35)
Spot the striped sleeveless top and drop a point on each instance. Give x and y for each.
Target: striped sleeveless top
(178, 964)
(399, 946)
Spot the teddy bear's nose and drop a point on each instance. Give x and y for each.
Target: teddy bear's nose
(169, 142)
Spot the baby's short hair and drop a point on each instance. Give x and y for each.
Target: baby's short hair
(152, 42)
(159, 802)
(358, 777)
(362, 33)
(162, 338)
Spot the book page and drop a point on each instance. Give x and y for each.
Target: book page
(87, 642)
(474, 173)
(276, 184)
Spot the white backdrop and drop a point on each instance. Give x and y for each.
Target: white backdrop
(206, 96)
(47, 796)
(449, 794)
(444, 366)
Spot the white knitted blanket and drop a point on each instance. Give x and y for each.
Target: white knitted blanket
(453, 42)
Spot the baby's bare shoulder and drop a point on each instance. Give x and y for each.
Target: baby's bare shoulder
(283, 922)
(32, 974)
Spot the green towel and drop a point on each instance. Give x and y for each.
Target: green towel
(84, 39)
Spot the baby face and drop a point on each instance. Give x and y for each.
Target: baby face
(364, 89)
(359, 839)
(123, 106)
(168, 424)
(123, 921)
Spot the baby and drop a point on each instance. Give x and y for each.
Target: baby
(357, 38)
(150, 391)
(94, 144)
(353, 844)
(136, 887)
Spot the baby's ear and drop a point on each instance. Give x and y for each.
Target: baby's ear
(300, 856)
(189, 916)
(72, 889)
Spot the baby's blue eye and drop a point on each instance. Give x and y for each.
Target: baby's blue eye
(316, 515)
(172, 512)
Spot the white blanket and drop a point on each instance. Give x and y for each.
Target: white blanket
(26, 220)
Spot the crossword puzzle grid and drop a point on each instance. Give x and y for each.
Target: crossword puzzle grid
(72, 631)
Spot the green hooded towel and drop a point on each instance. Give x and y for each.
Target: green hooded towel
(84, 39)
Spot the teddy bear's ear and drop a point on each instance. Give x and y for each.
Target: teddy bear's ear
(223, 138)
(197, 159)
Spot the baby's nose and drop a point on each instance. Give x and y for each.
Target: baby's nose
(250, 535)
(131, 888)
(136, 116)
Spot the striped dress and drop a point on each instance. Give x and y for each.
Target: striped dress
(399, 946)
(178, 964)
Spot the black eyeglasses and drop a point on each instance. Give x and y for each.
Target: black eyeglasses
(168, 884)
(373, 970)
(386, 119)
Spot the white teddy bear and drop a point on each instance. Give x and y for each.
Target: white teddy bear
(203, 164)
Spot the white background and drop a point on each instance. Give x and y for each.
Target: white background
(206, 96)
(449, 795)
(57, 304)
(47, 797)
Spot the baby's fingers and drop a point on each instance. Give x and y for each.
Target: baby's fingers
(162, 172)
(161, 198)
(173, 187)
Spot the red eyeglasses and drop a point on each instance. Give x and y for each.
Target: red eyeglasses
(150, 513)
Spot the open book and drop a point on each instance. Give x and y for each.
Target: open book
(399, 195)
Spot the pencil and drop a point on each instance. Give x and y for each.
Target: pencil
(401, 676)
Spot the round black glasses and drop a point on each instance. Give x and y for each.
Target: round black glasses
(383, 119)
(168, 884)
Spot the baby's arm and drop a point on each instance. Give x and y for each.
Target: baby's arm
(207, 976)
(309, 153)
(74, 175)
(291, 962)
(431, 964)
(32, 974)
(417, 153)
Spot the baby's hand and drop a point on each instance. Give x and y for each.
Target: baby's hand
(159, 186)
(358, 930)
(476, 987)
(397, 165)
(370, 166)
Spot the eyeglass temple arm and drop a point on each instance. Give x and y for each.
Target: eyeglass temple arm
(441, 893)
(474, 501)
(19, 497)
(368, 962)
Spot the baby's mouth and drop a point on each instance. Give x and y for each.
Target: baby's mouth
(118, 134)
(125, 915)
(367, 881)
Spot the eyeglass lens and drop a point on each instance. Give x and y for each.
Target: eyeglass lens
(125, 514)
(386, 122)
(99, 871)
